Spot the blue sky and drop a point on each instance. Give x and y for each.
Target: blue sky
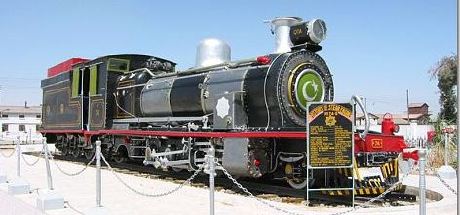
(376, 49)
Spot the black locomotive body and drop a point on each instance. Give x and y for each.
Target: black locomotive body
(252, 112)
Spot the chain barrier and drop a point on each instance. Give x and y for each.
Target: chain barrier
(245, 190)
(73, 208)
(365, 204)
(390, 189)
(7, 156)
(446, 184)
(75, 173)
(188, 181)
(433, 169)
(31, 163)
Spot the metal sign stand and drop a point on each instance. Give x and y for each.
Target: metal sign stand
(18, 185)
(310, 167)
(48, 199)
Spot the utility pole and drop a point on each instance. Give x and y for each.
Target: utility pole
(458, 117)
(407, 105)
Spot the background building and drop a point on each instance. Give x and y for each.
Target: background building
(417, 126)
(20, 121)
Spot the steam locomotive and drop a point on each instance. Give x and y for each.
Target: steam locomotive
(251, 111)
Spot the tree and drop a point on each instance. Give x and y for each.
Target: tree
(445, 71)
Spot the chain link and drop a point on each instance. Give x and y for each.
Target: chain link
(365, 204)
(245, 190)
(72, 174)
(390, 189)
(446, 184)
(32, 163)
(72, 208)
(8, 156)
(188, 181)
(451, 189)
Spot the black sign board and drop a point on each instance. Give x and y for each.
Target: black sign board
(330, 134)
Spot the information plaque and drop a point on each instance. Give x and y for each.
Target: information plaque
(330, 135)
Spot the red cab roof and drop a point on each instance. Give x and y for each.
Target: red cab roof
(64, 66)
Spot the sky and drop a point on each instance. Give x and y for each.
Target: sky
(374, 49)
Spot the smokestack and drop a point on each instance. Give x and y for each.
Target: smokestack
(280, 27)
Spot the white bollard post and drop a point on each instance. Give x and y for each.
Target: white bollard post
(446, 171)
(18, 156)
(446, 145)
(422, 184)
(99, 209)
(212, 172)
(98, 173)
(18, 185)
(47, 163)
(2, 171)
(48, 199)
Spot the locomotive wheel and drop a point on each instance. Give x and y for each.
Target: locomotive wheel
(75, 153)
(89, 153)
(64, 151)
(297, 183)
(121, 155)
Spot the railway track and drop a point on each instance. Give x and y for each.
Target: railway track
(265, 189)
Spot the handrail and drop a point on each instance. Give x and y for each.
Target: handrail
(358, 101)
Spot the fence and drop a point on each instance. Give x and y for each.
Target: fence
(209, 167)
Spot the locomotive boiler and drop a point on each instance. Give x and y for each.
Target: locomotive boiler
(251, 111)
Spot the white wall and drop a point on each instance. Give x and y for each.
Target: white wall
(411, 131)
(30, 121)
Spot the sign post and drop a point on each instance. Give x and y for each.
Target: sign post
(330, 142)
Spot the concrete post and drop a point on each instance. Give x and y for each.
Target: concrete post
(98, 173)
(422, 184)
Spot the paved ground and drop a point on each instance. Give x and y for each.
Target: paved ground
(80, 192)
